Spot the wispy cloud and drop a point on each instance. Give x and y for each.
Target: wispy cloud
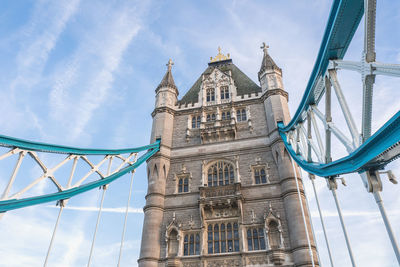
(115, 210)
(40, 37)
(97, 59)
(33, 43)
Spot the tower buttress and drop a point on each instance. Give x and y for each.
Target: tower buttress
(276, 98)
(276, 109)
(158, 167)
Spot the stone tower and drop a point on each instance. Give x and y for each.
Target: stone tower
(221, 191)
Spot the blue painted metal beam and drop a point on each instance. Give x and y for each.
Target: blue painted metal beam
(7, 141)
(344, 18)
(12, 204)
(387, 136)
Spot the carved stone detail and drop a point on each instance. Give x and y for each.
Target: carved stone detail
(191, 264)
(257, 260)
(227, 262)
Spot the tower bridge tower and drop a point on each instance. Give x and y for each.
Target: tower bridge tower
(222, 191)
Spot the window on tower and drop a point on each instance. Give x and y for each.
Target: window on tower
(255, 239)
(241, 115)
(223, 237)
(224, 92)
(260, 175)
(183, 184)
(210, 94)
(211, 117)
(226, 115)
(220, 173)
(196, 120)
(191, 244)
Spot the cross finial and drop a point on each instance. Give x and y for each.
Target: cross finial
(264, 47)
(169, 64)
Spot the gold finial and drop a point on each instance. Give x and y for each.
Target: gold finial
(169, 64)
(219, 56)
(264, 47)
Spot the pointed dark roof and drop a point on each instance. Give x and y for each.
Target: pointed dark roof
(168, 80)
(244, 84)
(267, 63)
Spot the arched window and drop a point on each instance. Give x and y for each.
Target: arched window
(224, 92)
(260, 176)
(255, 239)
(198, 122)
(211, 117)
(273, 235)
(220, 173)
(197, 245)
(183, 185)
(236, 236)
(210, 95)
(193, 122)
(226, 115)
(210, 239)
(191, 244)
(223, 238)
(241, 115)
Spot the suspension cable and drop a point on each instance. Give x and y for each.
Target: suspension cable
(312, 177)
(125, 220)
(333, 189)
(312, 226)
(303, 215)
(97, 224)
(110, 160)
(54, 232)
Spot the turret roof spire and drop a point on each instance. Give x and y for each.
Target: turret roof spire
(168, 80)
(267, 62)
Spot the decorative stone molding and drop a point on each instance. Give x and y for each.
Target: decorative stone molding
(257, 260)
(272, 216)
(278, 91)
(173, 226)
(191, 264)
(226, 262)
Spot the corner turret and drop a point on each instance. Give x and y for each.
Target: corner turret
(167, 92)
(270, 75)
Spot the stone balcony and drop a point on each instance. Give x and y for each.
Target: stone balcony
(222, 201)
(223, 195)
(219, 130)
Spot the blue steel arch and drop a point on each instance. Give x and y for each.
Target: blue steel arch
(11, 204)
(344, 18)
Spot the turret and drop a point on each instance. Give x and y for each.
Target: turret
(166, 91)
(276, 109)
(166, 98)
(157, 169)
(276, 98)
(270, 75)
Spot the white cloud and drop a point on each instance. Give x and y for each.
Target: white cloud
(96, 209)
(40, 37)
(92, 85)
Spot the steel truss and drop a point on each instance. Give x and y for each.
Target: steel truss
(367, 152)
(125, 161)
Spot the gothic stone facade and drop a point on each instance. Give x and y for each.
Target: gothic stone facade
(221, 191)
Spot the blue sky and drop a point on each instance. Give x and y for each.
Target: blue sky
(83, 73)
